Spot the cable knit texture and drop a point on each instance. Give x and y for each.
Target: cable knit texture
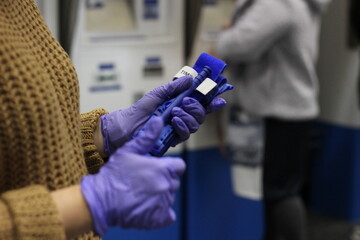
(45, 144)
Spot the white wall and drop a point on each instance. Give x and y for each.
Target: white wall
(49, 10)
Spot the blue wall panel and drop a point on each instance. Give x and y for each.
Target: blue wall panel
(214, 212)
(336, 172)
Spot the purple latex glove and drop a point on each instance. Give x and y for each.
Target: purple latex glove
(117, 127)
(186, 120)
(133, 190)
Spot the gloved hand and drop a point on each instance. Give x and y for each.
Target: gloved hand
(133, 190)
(117, 127)
(183, 118)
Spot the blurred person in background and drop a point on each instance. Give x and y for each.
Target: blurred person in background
(271, 48)
(64, 174)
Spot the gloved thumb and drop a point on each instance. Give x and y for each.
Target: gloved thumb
(144, 142)
(215, 105)
(171, 89)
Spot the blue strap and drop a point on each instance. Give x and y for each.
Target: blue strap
(217, 66)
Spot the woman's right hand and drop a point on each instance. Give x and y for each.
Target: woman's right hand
(134, 190)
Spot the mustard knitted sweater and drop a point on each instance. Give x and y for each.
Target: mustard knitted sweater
(45, 144)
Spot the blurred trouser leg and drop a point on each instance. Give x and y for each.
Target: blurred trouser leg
(285, 164)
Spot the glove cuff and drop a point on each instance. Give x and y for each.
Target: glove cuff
(108, 148)
(95, 205)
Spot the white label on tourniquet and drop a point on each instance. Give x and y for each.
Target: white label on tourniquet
(206, 86)
(185, 71)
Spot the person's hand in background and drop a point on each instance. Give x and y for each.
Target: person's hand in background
(226, 25)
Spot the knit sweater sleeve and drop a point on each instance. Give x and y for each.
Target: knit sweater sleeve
(88, 125)
(29, 213)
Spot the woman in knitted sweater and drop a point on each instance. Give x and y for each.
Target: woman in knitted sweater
(47, 147)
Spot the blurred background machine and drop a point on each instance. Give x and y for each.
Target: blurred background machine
(122, 49)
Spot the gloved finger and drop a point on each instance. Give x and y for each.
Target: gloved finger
(166, 217)
(189, 120)
(215, 105)
(174, 181)
(173, 88)
(172, 214)
(180, 128)
(175, 142)
(175, 184)
(175, 165)
(158, 215)
(194, 108)
(143, 143)
(172, 169)
(168, 199)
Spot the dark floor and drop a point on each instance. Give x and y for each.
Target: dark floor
(329, 228)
